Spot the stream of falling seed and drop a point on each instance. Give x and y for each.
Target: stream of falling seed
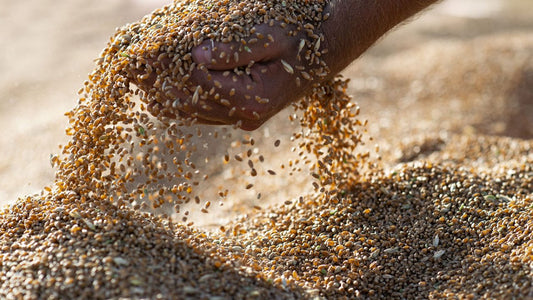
(120, 152)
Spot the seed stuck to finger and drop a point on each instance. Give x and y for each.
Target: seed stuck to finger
(301, 46)
(225, 102)
(232, 111)
(287, 67)
(306, 75)
(196, 96)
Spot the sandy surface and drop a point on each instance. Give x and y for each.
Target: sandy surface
(463, 67)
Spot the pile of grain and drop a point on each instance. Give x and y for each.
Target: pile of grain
(459, 226)
(62, 248)
(423, 230)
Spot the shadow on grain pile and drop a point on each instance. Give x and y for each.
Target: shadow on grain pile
(455, 221)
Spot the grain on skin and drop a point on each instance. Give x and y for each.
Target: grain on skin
(117, 148)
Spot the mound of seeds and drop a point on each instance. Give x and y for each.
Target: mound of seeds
(424, 230)
(60, 247)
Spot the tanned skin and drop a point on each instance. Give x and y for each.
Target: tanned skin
(352, 28)
(368, 20)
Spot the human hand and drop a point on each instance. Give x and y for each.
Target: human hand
(258, 79)
(248, 81)
(242, 83)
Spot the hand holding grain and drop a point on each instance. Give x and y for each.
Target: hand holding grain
(255, 79)
(245, 82)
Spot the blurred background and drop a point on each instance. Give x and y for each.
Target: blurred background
(463, 66)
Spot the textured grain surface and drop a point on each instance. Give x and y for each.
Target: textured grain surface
(449, 216)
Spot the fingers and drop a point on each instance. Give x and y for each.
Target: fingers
(242, 82)
(206, 108)
(266, 44)
(182, 103)
(216, 97)
(243, 93)
(227, 56)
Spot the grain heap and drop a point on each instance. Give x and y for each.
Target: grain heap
(423, 230)
(426, 230)
(57, 247)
